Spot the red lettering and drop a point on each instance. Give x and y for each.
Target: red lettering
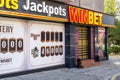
(81, 16)
(86, 20)
(73, 13)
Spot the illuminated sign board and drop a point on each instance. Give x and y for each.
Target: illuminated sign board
(38, 9)
(53, 11)
(79, 15)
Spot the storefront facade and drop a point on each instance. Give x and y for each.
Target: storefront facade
(37, 34)
(88, 36)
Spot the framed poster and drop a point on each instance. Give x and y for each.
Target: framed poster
(101, 42)
(50, 44)
(11, 45)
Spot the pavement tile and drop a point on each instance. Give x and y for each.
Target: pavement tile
(103, 72)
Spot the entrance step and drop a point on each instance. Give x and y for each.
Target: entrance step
(89, 63)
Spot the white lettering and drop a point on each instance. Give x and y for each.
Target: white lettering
(27, 6)
(60, 9)
(50, 10)
(12, 44)
(44, 8)
(64, 12)
(33, 6)
(20, 44)
(4, 44)
(56, 11)
(38, 8)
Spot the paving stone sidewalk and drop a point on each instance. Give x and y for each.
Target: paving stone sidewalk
(103, 72)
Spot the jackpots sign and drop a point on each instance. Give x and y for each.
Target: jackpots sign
(40, 9)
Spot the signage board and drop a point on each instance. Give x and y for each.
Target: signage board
(108, 21)
(11, 45)
(84, 16)
(46, 44)
(79, 15)
(54, 11)
(37, 9)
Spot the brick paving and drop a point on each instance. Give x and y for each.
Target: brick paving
(103, 72)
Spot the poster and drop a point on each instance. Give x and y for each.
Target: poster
(11, 45)
(101, 41)
(46, 44)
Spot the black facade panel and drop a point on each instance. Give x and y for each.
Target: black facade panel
(70, 51)
(70, 62)
(96, 42)
(67, 39)
(30, 71)
(70, 39)
(69, 45)
(106, 43)
(69, 28)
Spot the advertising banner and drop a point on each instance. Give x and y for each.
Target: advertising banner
(37, 9)
(11, 45)
(85, 16)
(101, 42)
(46, 44)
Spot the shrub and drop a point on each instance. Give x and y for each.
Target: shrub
(114, 49)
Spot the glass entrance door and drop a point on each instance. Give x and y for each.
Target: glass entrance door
(83, 42)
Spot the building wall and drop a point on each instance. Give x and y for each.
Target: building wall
(71, 2)
(97, 5)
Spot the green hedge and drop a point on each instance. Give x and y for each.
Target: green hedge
(114, 49)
